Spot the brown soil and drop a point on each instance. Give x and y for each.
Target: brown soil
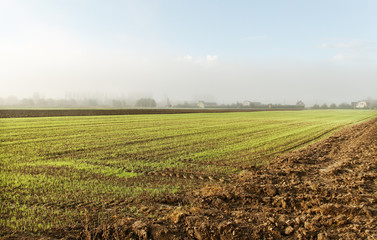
(326, 191)
(13, 113)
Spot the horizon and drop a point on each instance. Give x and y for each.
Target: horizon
(123, 102)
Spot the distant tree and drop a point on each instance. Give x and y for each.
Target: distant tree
(118, 103)
(344, 106)
(315, 106)
(91, 102)
(324, 106)
(12, 100)
(146, 102)
(66, 103)
(332, 106)
(27, 102)
(239, 105)
(49, 102)
(168, 104)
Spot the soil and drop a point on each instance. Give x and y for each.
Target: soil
(327, 190)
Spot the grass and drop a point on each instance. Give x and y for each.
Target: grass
(53, 170)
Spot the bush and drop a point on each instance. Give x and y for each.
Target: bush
(146, 102)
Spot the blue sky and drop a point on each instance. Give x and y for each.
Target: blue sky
(269, 51)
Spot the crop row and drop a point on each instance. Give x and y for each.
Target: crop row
(54, 170)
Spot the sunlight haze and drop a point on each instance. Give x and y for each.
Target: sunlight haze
(223, 51)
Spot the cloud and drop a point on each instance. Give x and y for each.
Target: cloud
(212, 58)
(348, 45)
(351, 50)
(187, 58)
(209, 59)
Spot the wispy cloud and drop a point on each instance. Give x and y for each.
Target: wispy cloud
(350, 50)
(348, 45)
(212, 58)
(209, 59)
(187, 58)
(345, 44)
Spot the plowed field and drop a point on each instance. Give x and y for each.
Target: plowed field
(327, 190)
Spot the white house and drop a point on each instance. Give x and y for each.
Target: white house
(361, 104)
(247, 103)
(202, 104)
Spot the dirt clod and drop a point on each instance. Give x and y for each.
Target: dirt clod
(289, 230)
(141, 229)
(321, 236)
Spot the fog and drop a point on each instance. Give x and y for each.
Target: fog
(44, 55)
(177, 79)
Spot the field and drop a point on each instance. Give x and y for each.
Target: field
(58, 172)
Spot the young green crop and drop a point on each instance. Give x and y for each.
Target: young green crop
(53, 170)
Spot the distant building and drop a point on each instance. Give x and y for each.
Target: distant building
(300, 104)
(251, 104)
(247, 103)
(202, 104)
(361, 105)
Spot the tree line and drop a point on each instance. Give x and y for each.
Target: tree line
(38, 102)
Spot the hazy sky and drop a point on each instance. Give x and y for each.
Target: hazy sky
(269, 51)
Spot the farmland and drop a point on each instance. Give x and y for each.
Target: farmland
(55, 171)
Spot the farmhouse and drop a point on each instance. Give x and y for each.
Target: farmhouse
(300, 104)
(202, 104)
(361, 105)
(248, 103)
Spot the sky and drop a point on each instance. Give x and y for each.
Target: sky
(269, 51)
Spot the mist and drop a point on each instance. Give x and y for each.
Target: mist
(220, 81)
(54, 51)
